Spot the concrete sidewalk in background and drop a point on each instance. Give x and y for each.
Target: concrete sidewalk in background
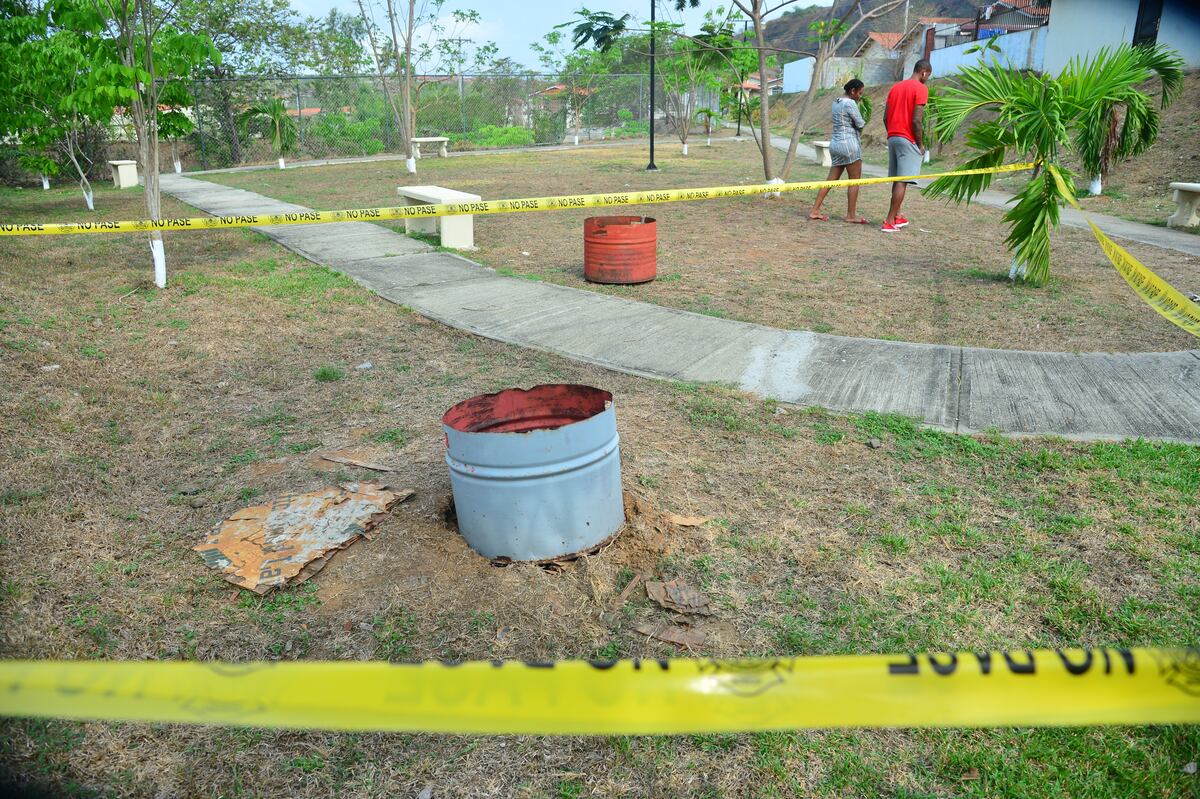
(963, 389)
(589, 144)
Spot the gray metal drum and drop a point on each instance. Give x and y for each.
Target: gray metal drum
(536, 474)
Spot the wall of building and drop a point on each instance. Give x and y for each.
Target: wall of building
(797, 75)
(1023, 50)
(1079, 27)
(1180, 29)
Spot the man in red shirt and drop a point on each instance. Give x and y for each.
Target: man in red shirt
(903, 115)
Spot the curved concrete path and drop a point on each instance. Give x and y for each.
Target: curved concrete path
(964, 389)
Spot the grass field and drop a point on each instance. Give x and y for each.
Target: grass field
(944, 280)
(170, 410)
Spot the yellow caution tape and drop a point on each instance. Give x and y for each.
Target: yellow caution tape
(1158, 293)
(565, 202)
(1038, 688)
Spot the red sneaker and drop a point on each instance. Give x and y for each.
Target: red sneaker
(889, 228)
(900, 221)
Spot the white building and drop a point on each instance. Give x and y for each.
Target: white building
(1080, 27)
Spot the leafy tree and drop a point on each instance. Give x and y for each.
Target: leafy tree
(334, 44)
(421, 42)
(271, 118)
(46, 101)
(1048, 120)
(579, 70)
(254, 37)
(144, 65)
(687, 71)
(1120, 120)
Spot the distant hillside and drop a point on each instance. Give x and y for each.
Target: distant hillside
(789, 31)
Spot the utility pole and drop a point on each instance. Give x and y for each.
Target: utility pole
(651, 167)
(458, 64)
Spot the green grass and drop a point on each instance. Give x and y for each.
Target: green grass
(328, 374)
(292, 282)
(396, 436)
(307, 764)
(394, 635)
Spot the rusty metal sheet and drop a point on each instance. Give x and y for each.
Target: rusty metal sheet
(678, 596)
(292, 538)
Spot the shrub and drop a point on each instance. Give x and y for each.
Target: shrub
(494, 136)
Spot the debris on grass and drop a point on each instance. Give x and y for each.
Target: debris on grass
(626, 591)
(291, 538)
(375, 467)
(678, 596)
(330, 460)
(672, 634)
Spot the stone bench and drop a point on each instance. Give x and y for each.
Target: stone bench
(441, 141)
(822, 150)
(124, 174)
(1187, 202)
(457, 232)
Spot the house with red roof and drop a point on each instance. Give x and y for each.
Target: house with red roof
(880, 44)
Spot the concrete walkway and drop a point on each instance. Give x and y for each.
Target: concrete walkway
(1112, 225)
(589, 144)
(1090, 396)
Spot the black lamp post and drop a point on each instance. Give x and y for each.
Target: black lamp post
(651, 167)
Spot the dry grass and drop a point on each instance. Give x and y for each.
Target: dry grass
(944, 280)
(819, 543)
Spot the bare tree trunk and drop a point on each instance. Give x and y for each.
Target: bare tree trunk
(818, 68)
(764, 91)
(387, 89)
(235, 139)
(71, 147)
(406, 93)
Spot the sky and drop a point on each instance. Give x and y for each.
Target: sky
(514, 24)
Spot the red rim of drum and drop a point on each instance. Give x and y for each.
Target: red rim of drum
(517, 410)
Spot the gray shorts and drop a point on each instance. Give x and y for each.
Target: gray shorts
(903, 157)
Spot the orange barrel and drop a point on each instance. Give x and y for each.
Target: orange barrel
(620, 249)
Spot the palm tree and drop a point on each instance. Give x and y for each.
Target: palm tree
(1093, 110)
(1120, 121)
(272, 117)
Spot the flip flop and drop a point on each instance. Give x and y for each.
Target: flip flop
(818, 218)
(860, 221)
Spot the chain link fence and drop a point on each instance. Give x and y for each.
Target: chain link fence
(347, 117)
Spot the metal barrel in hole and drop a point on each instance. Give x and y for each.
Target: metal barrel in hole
(620, 249)
(536, 473)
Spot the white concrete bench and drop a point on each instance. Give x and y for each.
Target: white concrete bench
(1187, 202)
(124, 174)
(441, 141)
(822, 150)
(452, 231)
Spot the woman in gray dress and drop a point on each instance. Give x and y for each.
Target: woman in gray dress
(844, 150)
